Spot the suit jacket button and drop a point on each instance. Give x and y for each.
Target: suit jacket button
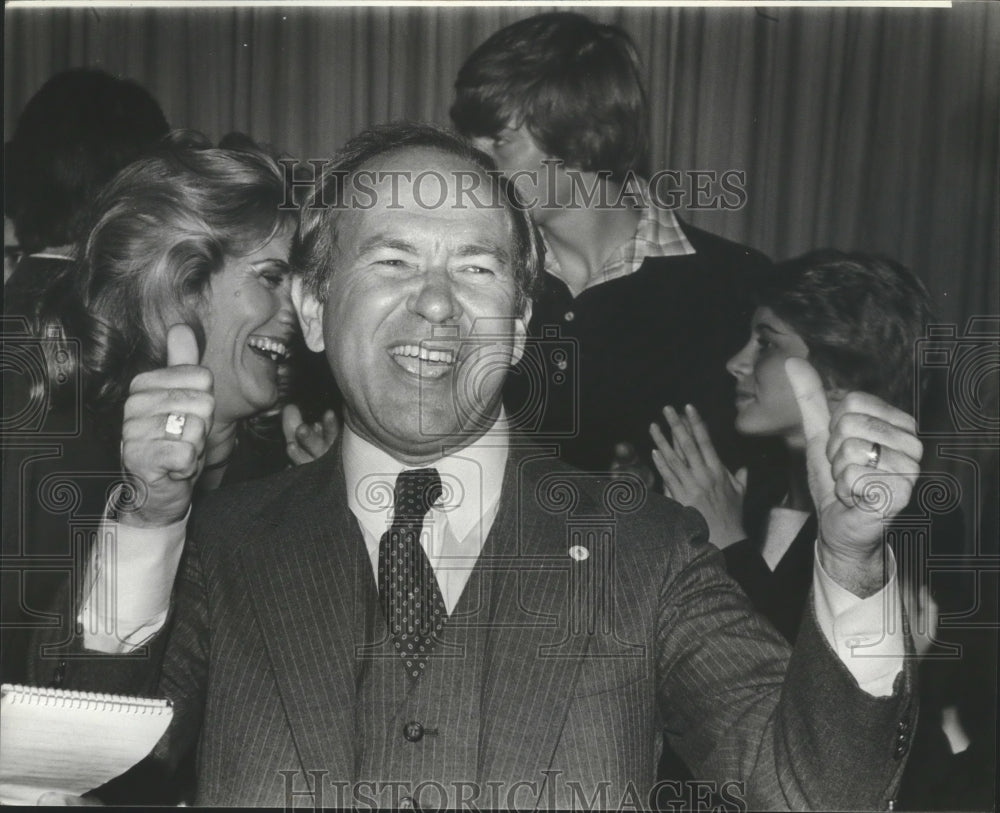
(414, 732)
(406, 803)
(59, 676)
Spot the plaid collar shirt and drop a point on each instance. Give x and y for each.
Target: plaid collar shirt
(658, 234)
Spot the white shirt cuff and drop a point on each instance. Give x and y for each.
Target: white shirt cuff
(866, 633)
(129, 578)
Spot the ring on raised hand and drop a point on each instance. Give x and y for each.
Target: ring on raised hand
(874, 456)
(175, 424)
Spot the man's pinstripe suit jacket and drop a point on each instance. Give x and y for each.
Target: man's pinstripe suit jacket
(589, 655)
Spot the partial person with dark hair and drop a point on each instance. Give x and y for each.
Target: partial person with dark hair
(548, 74)
(558, 101)
(857, 320)
(437, 613)
(186, 262)
(73, 136)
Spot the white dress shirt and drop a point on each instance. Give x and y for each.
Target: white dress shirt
(458, 523)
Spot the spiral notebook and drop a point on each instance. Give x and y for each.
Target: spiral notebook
(71, 742)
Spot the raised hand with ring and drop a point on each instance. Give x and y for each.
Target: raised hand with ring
(167, 419)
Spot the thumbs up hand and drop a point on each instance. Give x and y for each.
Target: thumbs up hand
(168, 416)
(862, 463)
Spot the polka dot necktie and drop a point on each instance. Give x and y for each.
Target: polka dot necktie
(412, 603)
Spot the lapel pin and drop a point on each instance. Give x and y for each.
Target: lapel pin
(579, 553)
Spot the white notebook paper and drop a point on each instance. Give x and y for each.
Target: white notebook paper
(71, 742)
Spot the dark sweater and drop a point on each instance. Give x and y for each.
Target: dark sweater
(602, 365)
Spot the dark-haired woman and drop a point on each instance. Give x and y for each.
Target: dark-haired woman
(856, 319)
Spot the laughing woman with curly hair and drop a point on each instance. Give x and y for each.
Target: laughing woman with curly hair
(185, 260)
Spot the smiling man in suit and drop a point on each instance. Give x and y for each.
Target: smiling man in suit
(434, 615)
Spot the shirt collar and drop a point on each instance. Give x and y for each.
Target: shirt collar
(471, 478)
(658, 234)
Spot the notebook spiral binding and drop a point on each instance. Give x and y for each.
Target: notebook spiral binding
(93, 701)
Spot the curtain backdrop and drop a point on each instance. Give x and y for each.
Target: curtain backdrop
(861, 128)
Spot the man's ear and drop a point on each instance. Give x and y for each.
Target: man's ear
(310, 312)
(520, 333)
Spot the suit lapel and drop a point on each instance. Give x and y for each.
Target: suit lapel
(305, 575)
(535, 642)
(533, 652)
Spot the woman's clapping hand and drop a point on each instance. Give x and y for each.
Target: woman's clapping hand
(694, 475)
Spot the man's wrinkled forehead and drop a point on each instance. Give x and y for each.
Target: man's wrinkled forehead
(427, 179)
(435, 177)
